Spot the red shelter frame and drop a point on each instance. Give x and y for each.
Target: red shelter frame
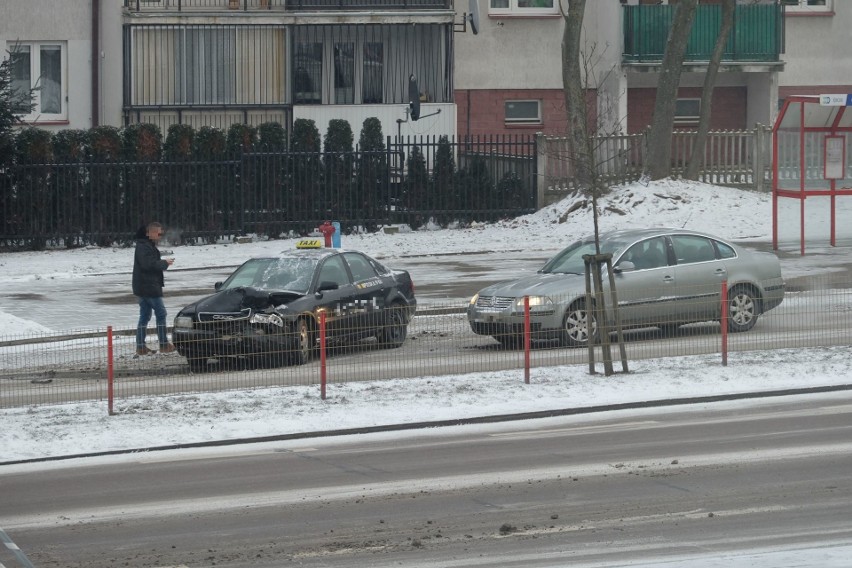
(810, 134)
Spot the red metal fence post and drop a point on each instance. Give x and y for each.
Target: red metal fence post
(110, 371)
(724, 322)
(322, 355)
(527, 339)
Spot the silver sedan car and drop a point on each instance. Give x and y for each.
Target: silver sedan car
(663, 278)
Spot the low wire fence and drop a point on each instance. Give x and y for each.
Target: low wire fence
(101, 364)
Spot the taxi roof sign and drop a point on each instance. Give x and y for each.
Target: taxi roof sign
(309, 244)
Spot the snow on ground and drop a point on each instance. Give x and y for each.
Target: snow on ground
(729, 213)
(735, 214)
(43, 432)
(181, 419)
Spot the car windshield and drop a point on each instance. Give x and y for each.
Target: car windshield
(293, 274)
(570, 260)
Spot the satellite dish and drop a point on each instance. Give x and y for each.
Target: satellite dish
(474, 16)
(413, 97)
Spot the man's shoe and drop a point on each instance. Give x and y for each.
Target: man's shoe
(144, 351)
(167, 348)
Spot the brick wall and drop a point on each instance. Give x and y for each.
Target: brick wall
(482, 112)
(784, 92)
(728, 112)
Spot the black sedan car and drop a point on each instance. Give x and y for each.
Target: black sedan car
(268, 311)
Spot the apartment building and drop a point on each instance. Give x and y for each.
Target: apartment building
(508, 76)
(216, 62)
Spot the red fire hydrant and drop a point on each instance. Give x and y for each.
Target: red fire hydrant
(327, 229)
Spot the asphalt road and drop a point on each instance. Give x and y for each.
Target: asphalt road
(98, 301)
(603, 489)
(442, 281)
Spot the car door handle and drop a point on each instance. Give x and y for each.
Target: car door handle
(721, 271)
(668, 279)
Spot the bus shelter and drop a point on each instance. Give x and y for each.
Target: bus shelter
(811, 155)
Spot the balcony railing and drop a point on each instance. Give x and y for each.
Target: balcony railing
(757, 35)
(284, 5)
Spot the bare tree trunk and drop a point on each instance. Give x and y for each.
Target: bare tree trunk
(696, 158)
(575, 95)
(660, 150)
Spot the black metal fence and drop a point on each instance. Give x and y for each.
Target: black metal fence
(411, 181)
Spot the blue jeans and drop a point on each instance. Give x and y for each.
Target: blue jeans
(146, 306)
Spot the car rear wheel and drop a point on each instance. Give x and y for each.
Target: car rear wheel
(395, 329)
(742, 309)
(578, 326)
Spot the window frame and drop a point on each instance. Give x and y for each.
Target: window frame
(802, 7)
(37, 116)
(329, 88)
(514, 10)
(687, 119)
(198, 65)
(522, 121)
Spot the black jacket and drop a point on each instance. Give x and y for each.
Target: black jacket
(148, 269)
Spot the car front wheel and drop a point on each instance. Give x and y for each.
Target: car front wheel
(579, 326)
(742, 309)
(305, 350)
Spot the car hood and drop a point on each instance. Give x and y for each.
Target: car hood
(538, 285)
(238, 299)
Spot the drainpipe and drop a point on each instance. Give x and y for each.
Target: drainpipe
(468, 114)
(96, 60)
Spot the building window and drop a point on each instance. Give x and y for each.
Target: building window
(807, 5)
(523, 7)
(341, 68)
(40, 67)
(523, 112)
(206, 76)
(308, 73)
(307, 76)
(344, 73)
(373, 82)
(687, 112)
(195, 66)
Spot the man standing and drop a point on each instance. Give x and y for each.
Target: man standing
(148, 283)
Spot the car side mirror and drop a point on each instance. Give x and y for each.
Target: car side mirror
(624, 266)
(217, 285)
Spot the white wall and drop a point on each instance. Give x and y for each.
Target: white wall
(442, 124)
(111, 63)
(50, 20)
(508, 53)
(818, 48)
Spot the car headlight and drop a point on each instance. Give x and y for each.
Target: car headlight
(537, 304)
(272, 319)
(184, 322)
(474, 299)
